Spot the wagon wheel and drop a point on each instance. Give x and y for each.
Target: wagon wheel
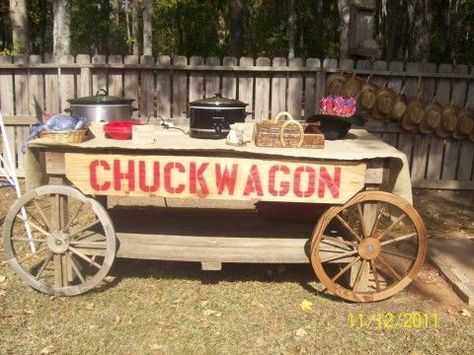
(59, 241)
(370, 248)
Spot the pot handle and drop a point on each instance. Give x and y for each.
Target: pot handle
(105, 93)
(67, 110)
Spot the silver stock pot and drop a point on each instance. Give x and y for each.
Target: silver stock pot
(102, 108)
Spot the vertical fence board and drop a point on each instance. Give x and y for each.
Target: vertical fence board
(147, 87)
(99, 76)
(229, 79)
(378, 67)
(66, 82)
(7, 102)
(51, 87)
(435, 158)
(246, 85)
(420, 153)
(411, 84)
(196, 80)
(311, 100)
(443, 89)
(36, 88)
(130, 81)
(21, 108)
(396, 83)
(470, 92)
(428, 85)
(278, 88)
(163, 88)
(115, 76)
(405, 144)
(466, 161)
(458, 94)
(346, 65)
(84, 78)
(295, 90)
(451, 152)
(262, 91)
(328, 63)
(213, 79)
(180, 93)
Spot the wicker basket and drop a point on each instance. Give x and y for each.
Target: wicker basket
(77, 136)
(285, 134)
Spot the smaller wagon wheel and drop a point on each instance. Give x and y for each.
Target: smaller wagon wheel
(370, 248)
(59, 241)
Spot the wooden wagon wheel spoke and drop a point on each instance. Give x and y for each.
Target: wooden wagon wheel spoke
(83, 229)
(361, 219)
(33, 225)
(60, 272)
(359, 274)
(42, 214)
(391, 227)
(74, 216)
(349, 229)
(389, 267)
(398, 239)
(74, 267)
(371, 254)
(84, 257)
(337, 242)
(376, 276)
(38, 223)
(339, 256)
(43, 266)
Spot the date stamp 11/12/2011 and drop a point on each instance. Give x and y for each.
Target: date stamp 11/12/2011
(390, 320)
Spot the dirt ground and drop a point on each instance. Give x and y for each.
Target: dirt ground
(153, 307)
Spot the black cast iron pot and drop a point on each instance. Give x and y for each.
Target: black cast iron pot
(211, 117)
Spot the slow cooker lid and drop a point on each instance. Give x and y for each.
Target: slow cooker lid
(101, 98)
(218, 101)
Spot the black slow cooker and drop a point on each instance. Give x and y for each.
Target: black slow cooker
(211, 117)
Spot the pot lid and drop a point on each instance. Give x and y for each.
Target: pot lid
(218, 101)
(101, 98)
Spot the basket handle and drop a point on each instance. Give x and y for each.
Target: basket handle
(286, 124)
(283, 113)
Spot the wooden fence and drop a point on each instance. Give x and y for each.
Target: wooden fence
(163, 86)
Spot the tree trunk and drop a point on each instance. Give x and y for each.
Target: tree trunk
(419, 17)
(236, 27)
(147, 28)
(61, 30)
(19, 19)
(344, 15)
(135, 28)
(291, 28)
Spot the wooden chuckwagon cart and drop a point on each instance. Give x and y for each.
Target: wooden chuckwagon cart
(369, 243)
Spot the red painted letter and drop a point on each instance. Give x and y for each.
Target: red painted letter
(253, 182)
(142, 177)
(224, 180)
(167, 171)
(334, 184)
(93, 175)
(284, 185)
(119, 175)
(311, 180)
(195, 175)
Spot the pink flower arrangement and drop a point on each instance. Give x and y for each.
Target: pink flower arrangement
(338, 106)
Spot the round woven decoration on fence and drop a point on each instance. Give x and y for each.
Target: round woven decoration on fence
(431, 117)
(465, 123)
(367, 96)
(399, 108)
(385, 100)
(352, 87)
(335, 84)
(448, 121)
(414, 114)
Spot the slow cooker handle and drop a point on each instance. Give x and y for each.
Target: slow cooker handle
(105, 93)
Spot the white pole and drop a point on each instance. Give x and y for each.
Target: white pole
(10, 167)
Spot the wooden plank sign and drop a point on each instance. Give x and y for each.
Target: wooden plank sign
(214, 178)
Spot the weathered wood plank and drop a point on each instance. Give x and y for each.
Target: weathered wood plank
(22, 107)
(196, 80)
(435, 158)
(262, 91)
(311, 100)
(147, 88)
(428, 85)
(163, 88)
(413, 84)
(466, 161)
(66, 82)
(229, 79)
(396, 83)
(450, 160)
(130, 81)
(329, 65)
(51, 87)
(379, 68)
(115, 76)
(278, 88)
(246, 88)
(180, 96)
(295, 90)
(99, 74)
(84, 79)
(458, 92)
(443, 89)
(213, 79)
(420, 156)
(36, 88)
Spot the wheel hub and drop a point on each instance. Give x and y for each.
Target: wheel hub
(58, 243)
(369, 248)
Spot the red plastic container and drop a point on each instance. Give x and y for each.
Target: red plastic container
(119, 130)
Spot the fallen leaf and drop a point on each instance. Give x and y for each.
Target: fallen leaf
(465, 313)
(47, 350)
(117, 319)
(301, 332)
(90, 306)
(209, 312)
(306, 305)
(2, 278)
(204, 303)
